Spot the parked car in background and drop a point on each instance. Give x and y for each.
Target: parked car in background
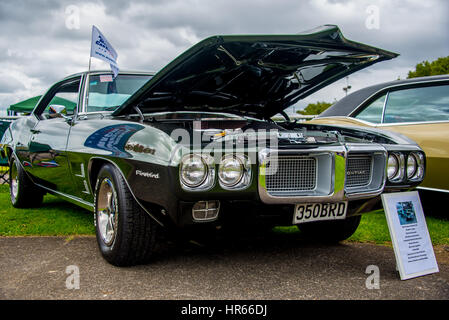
(194, 144)
(417, 108)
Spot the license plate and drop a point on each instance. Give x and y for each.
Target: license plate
(307, 212)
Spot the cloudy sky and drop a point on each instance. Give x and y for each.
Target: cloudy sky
(44, 41)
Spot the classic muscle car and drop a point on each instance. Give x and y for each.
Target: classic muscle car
(194, 144)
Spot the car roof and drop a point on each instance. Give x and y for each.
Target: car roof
(346, 105)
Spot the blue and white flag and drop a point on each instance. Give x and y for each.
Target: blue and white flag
(102, 49)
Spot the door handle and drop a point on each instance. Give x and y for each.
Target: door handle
(33, 131)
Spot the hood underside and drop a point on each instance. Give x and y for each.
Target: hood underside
(253, 75)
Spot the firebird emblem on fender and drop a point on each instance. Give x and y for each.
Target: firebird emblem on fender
(147, 174)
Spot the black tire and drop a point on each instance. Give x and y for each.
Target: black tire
(23, 192)
(134, 239)
(330, 231)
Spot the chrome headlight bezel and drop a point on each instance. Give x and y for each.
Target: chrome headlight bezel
(243, 167)
(412, 165)
(393, 164)
(234, 166)
(418, 174)
(206, 181)
(398, 175)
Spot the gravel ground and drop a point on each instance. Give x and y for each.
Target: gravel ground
(275, 266)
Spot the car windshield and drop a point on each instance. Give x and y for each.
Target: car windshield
(107, 93)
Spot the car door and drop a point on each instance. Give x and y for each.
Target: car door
(91, 134)
(422, 114)
(48, 163)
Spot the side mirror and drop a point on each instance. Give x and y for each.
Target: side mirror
(57, 111)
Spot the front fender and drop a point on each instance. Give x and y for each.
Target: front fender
(92, 176)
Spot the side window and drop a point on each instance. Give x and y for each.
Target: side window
(66, 96)
(373, 112)
(418, 105)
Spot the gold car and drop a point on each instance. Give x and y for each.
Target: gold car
(417, 108)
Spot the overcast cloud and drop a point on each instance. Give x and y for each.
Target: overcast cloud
(44, 41)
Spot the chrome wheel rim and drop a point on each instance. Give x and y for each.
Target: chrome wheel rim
(14, 181)
(107, 214)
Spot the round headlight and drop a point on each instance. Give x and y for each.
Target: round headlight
(419, 172)
(230, 171)
(193, 170)
(392, 166)
(411, 166)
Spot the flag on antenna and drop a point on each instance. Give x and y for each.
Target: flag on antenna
(102, 49)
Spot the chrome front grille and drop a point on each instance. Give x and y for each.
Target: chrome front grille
(326, 174)
(358, 170)
(290, 175)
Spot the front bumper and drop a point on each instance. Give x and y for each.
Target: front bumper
(335, 167)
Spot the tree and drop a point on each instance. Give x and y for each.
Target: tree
(426, 68)
(315, 108)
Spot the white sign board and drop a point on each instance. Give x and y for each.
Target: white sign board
(408, 229)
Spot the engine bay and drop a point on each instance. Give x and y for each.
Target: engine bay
(222, 127)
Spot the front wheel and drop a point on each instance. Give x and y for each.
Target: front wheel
(330, 231)
(126, 235)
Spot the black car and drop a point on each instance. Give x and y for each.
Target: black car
(194, 144)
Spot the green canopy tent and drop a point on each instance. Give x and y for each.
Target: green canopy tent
(26, 106)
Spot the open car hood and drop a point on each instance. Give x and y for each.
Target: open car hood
(253, 75)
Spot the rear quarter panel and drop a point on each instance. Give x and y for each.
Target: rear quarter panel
(433, 138)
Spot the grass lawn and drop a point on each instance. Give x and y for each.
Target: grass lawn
(57, 217)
